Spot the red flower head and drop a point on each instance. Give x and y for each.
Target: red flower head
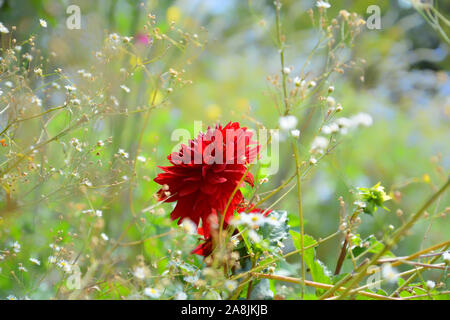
(204, 174)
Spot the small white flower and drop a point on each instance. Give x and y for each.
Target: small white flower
(288, 122)
(311, 84)
(360, 204)
(152, 293)
(141, 159)
(98, 213)
(319, 144)
(10, 297)
(188, 226)
(16, 246)
(36, 101)
(27, 56)
(52, 259)
(234, 241)
(125, 88)
(104, 236)
(295, 133)
(322, 4)
(140, 273)
(286, 70)
(114, 37)
(38, 71)
(23, 269)
(254, 220)
(56, 85)
(35, 261)
(123, 154)
(230, 285)
(70, 88)
(43, 23)
(100, 143)
(9, 84)
(298, 82)
(446, 257)
(54, 247)
(431, 285)
(312, 161)
(75, 102)
(3, 29)
(331, 101)
(389, 273)
(87, 183)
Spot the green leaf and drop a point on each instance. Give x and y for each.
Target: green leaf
(277, 230)
(319, 272)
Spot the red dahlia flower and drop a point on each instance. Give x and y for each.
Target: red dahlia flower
(203, 175)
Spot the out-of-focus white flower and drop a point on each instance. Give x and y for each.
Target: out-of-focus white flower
(312, 161)
(389, 273)
(322, 4)
(27, 56)
(10, 297)
(70, 88)
(140, 272)
(288, 122)
(54, 247)
(295, 133)
(230, 285)
(431, 285)
(43, 23)
(311, 84)
(22, 268)
(35, 261)
(188, 226)
(363, 119)
(125, 88)
(65, 265)
(123, 154)
(299, 82)
(331, 101)
(446, 257)
(52, 259)
(152, 293)
(319, 144)
(3, 29)
(286, 70)
(16, 246)
(141, 158)
(104, 236)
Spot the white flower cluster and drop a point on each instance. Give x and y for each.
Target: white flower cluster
(253, 220)
(343, 125)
